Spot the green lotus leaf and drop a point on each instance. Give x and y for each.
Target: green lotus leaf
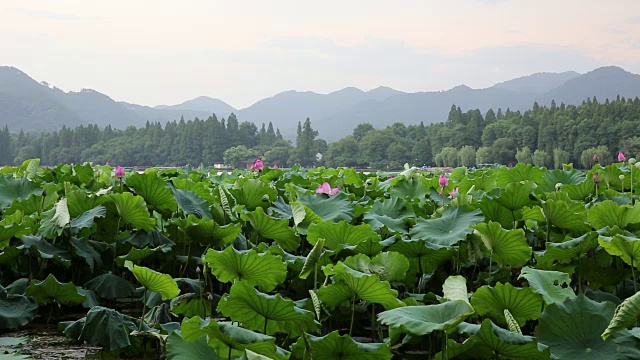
(337, 235)
(549, 284)
(608, 213)
(572, 330)
(349, 283)
(522, 303)
(565, 177)
(333, 208)
(335, 346)
(562, 212)
(15, 310)
(86, 219)
(82, 248)
(190, 202)
(371, 247)
(253, 193)
(517, 195)
(627, 247)
(138, 254)
(270, 314)
(625, 316)
(478, 180)
(506, 247)
(520, 172)
(454, 226)
(79, 202)
(411, 188)
(133, 210)
(566, 251)
(302, 224)
(582, 190)
(110, 287)
(226, 338)
(496, 341)
(102, 327)
(311, 261)
(179, 349)
(153, 189)
(61, 216)
(388, 266)
(207, 232)
(152, 280)
(269, 228)
(264, 270)
(425, 319)
(455, 288)
(390, 213)
(9, 254)
(12, 189)
(142, 239)
(493, 211)
(7, 232)
(190, 305)
(424, 257)
(50, 289)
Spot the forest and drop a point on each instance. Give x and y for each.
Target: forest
(544, 136)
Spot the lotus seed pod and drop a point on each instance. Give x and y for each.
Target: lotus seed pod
(621, 177)
(632, 161)
(558, 186)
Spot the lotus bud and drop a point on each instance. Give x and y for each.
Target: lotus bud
(276, 166)
(558, 186)
(119, 171)
(637, 165)
(632, 161)
(621, 156)
(596, 179)
(198, 270)
(596, 158)
(442, 180)
(621, 177)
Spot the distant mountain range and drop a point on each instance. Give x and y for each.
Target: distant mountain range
(32, 106)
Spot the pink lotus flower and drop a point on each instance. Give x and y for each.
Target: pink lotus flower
(621, 156)
(258, 165)
(596, 158)
(390, 176)
(325, 188)
(596, 179)
(275, 166)
(119, 171)
(454, 193)
(443, 180)
(107, 163)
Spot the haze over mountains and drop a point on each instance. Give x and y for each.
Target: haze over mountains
(32, 106)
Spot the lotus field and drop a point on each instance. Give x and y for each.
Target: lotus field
(496, 263)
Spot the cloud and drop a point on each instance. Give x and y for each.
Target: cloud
(634, 20)
(491, 2)
(49, 15)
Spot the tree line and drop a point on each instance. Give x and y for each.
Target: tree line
(544, 136)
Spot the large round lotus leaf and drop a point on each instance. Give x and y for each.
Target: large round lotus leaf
(51, 289)
(390, 213)
(133, 210)
(454, 226)
(311, 261)
(179, 349)
(506, 247)
(520, 172)
(349, 282)
(224, 337)
(608, 213)
(424, 257)
(264, 270)
(337, 235)
(522, 303)
(254, 310)
(517, 195)
(573, 329)
(560, 211)
(154, 281)
(455, 288)
(411, 188)
(12, 189)
(153, 238)
(207, 232)
(334, 346)
(566, 251)
(494, 340)
(423, 320)
(138, 254)
(549, 284)
(190, 202)
(269, 228)
(566, 177)
(253, 193)
(333, 208)
(110, 287)
(102, 327)
(153, 189)
(191, 304)
(15, 310)
(627, 247)
(389, 265)
(626, 315)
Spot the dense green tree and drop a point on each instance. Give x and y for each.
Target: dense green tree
(237, 156)
(524, 156)
(467, 156)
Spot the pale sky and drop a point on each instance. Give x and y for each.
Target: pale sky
(166, 52)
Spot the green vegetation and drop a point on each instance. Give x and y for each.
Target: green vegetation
(326, 263)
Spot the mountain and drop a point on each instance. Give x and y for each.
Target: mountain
(202, 104)
(605, 82)
(32, 106)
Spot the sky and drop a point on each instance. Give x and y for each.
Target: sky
(241, 51)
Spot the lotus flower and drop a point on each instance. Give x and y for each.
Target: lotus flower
(596, 179)
(119, 172)
(258, 165)
(325, 188)
(107, 163)
(596, 158)
(621, 156)
(275, 166)
(454, 192)
(443, 180)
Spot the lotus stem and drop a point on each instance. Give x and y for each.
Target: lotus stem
(445, 353)
(315, 277)
(266, 321)
(144, 308)
(373, 322)
(229, 356)
(353, 314)
(633, 275)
